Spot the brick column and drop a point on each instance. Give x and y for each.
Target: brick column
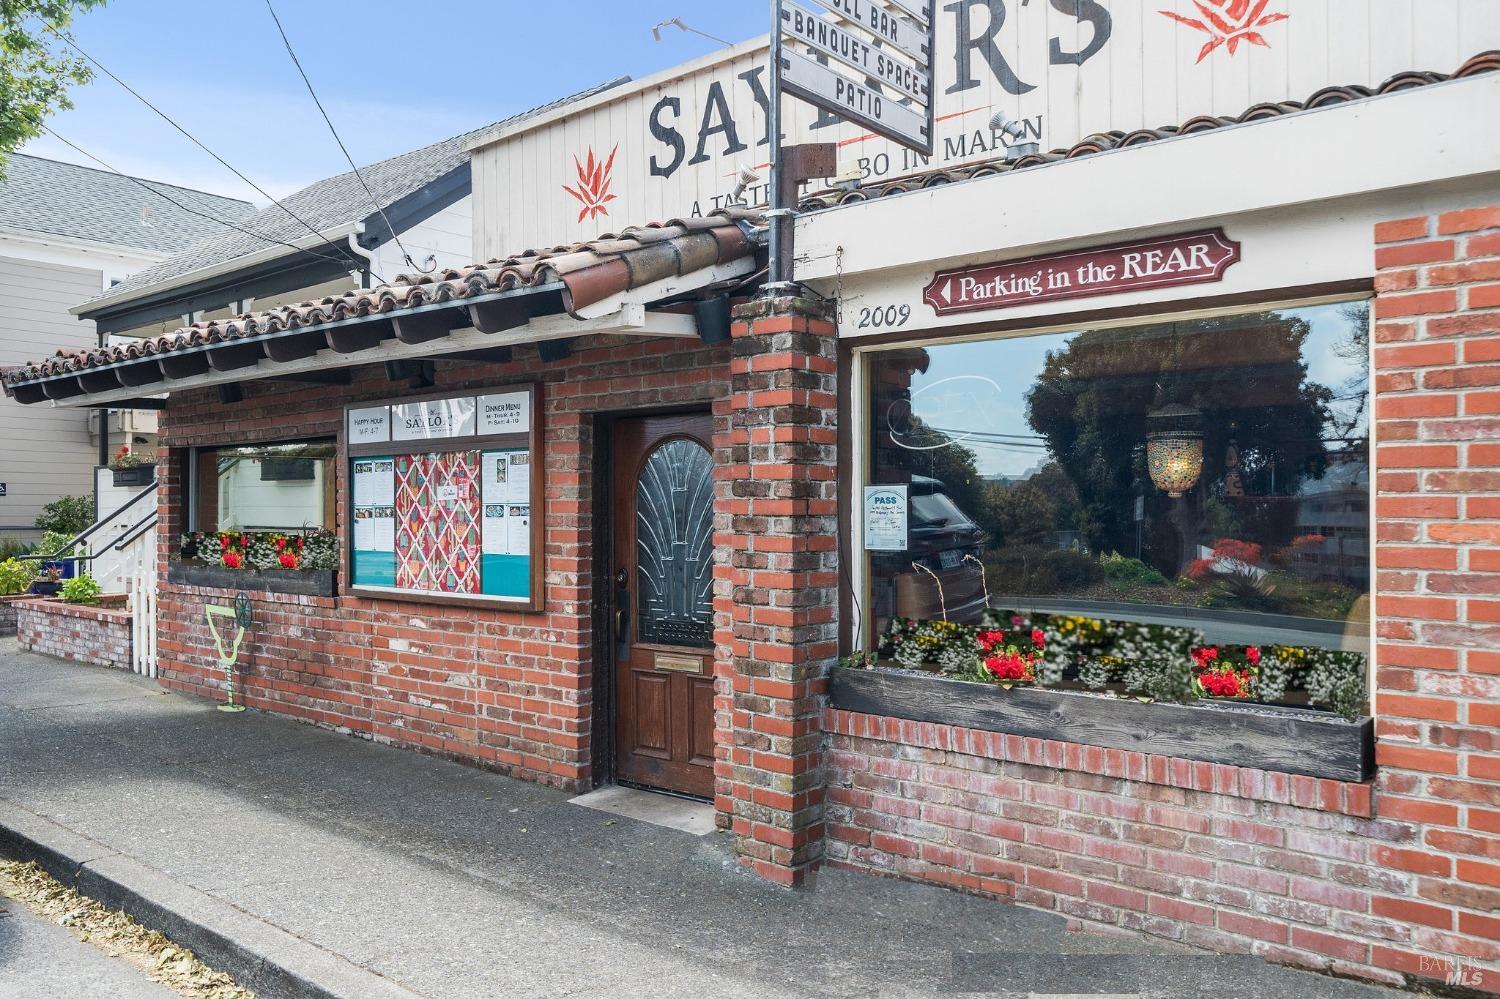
(1437, 590)
(776, 593)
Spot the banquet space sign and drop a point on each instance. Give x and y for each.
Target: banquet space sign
(869, 64)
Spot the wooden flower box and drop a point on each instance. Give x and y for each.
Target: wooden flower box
(302, 582)
(135, 475)
(1261, 736)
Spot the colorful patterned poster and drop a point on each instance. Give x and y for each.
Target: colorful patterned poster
(438, 517)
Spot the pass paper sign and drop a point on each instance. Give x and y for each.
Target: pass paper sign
(505, 413)
(885, 518)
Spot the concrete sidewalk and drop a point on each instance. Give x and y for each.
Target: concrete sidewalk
(311, 863)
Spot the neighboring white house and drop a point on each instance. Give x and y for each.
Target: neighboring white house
(67, 234)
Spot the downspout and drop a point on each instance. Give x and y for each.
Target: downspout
(367, 255)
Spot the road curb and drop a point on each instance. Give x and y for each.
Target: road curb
(266, 959)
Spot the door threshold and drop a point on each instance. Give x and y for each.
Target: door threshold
(670, 811)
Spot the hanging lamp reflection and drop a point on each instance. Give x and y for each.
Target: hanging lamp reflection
(1174, 448)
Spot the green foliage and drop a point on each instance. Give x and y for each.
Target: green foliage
(52, 542)
(11, 548)
(16, 576)
(1126, 574)
(66, 515)
(1037, 570)
(36, 68)
(84, 589)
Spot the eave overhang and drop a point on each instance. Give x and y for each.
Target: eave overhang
(644, 281)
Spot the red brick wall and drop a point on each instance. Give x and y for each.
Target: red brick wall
(1395, 880)
(508, 690)
(1437, 380)
(776, 590)
(97, 635)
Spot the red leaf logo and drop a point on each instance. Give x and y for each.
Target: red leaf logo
(593, 183)
(1228, 23)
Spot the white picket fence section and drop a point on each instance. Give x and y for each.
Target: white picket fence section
(142, 588)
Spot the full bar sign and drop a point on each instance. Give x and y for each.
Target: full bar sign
(867, 61)
(1193, 258)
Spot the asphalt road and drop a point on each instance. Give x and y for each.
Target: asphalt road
(41, 960)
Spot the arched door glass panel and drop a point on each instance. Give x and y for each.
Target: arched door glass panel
(674, 528)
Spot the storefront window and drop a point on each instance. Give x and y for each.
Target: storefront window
(265, 487)
(1208, 473)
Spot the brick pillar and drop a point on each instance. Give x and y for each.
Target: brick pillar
(1437, 589)
(776, 594)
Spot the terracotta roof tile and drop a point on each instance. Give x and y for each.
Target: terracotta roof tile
(588, 271)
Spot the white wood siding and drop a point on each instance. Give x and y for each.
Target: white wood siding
(1146, 75)
(44, 452)
(448, 235)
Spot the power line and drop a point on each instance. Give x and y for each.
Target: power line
(329, 121)
(69, 41)
(341, 261)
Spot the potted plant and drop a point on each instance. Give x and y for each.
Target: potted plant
(131, 469)
(49, 583)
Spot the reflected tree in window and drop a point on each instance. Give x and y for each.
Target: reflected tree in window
(1262, 420)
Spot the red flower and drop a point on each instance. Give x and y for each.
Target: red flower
(287, 560)
(280, 544)
(1225, 683)
(231, 560)
(299, 543)
(1017, 620)
(1038, 637)
(989, 639)
(1252, 653)
(1204, 655)
(1009, 666)
(223, 541)
(244, 541)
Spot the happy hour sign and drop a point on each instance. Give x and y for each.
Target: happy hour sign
(1193, 258)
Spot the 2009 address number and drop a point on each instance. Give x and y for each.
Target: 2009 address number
(883, 317)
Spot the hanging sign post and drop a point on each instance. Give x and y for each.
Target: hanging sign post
(867, 61)
(241, 615)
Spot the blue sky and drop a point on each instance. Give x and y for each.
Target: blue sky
(394, 76)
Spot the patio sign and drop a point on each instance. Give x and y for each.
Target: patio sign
(1192, 258)
(867, 64)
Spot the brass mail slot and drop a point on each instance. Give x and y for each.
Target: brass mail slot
(679, 664)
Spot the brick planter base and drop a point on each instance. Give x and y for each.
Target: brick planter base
(98, 635)
(8, 606)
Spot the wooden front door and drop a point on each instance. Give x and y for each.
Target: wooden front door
(663, 557)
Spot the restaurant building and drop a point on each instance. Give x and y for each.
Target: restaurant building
(1113, 528)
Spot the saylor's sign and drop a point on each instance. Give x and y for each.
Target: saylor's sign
(1193, 258)
(672, 145)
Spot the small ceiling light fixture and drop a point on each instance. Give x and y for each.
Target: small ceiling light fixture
(1174, 448)
(1018, 147)
(743, 180)
(677, 22)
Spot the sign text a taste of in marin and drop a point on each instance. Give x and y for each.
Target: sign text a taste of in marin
(1190, 258)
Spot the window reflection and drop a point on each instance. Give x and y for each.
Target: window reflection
(265, 487)
(1211, 473)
